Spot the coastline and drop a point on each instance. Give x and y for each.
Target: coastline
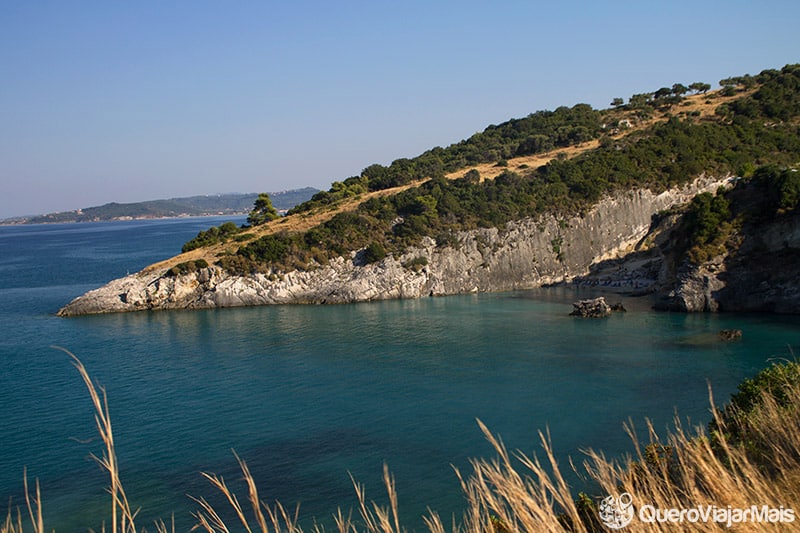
(125, 219)
(520, 256)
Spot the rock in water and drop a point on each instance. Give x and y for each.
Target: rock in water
(593, 308)
(730, 334)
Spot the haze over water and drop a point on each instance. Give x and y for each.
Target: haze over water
(308, 394)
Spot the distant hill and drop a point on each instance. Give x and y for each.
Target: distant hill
(209, 205)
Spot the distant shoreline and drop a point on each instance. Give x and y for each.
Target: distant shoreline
(28, 222)
(230, 204)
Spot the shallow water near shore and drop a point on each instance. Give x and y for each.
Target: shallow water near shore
(309, 395)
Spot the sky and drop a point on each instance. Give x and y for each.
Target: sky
(119, 101)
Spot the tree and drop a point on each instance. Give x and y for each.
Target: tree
(700, 87)
(617, 102)
(663, 92)
(747, 81)
(472, 176)
(679, 89)
(263, 211)
(640, 100)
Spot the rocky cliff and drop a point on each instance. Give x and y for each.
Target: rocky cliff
(762, 273)
(756, 269)
(526, 253)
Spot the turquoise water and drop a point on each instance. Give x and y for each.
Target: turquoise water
(310, 394)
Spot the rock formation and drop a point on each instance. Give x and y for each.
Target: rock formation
(524, 254)
(592, 308)
(761, 274)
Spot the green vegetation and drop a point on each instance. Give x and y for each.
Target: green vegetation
(349, 188)
(537, 133)
(416, 264)
(750, 456)
(664, 98)
(187, 267)
(738, 423)
(781, 188)
(708, 225)
(711, 221)
(263, 211)
(557, 243)
(374, 252)
(211, 236)
(760, 128)
(268, 248)
(776, 382)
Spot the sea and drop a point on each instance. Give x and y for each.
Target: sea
(315, 398)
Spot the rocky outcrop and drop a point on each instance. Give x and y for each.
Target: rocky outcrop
(762, 273)
(695, 289)
(596, 308)
(524, 254)
(592, 308)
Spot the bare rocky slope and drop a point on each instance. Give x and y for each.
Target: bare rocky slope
(525, 254)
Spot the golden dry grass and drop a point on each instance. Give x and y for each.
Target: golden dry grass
(513, 492)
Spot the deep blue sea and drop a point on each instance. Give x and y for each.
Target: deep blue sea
(309, 395)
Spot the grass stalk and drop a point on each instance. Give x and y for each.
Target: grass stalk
(122, 516)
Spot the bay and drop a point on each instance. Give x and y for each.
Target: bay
(310, 395)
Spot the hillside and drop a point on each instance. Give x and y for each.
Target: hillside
(527, 202)
(208, 205)
(351, 195)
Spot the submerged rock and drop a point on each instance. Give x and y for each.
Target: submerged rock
(730, 334)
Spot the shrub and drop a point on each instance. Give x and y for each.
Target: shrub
(416, 264)
(708, 225)
(186, 267)
(374, 252)
(267, 249)
(472, 176)
(212, 236)
(240, 265)
(242, 237)
(737, 424)
(775, 381)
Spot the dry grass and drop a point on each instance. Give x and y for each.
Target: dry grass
(517, 493)
(123, 517)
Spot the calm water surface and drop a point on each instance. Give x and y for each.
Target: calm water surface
(308, 395)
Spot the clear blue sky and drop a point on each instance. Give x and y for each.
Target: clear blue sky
(134, 100)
